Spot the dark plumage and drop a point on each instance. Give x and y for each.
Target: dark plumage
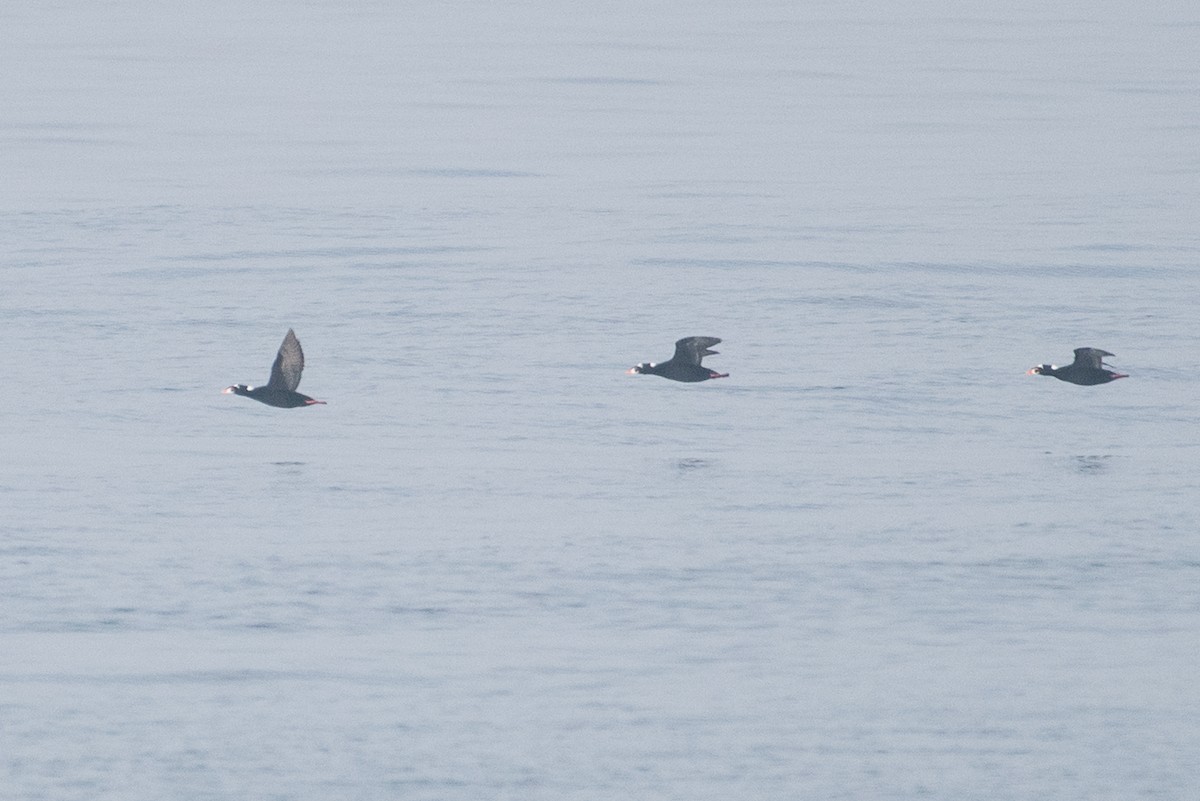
(1087, 369)
(685, 364)
(285, 377)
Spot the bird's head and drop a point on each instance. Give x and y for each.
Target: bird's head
(236, 389)
(1040, 369)
(639, 368)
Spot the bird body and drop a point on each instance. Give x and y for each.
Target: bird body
(280, 389)
(1088, 369)
(685, 364)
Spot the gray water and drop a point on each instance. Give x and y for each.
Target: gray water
(877, 561)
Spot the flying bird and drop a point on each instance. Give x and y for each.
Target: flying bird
(1087, 369)
(685, 364)
(285, 377)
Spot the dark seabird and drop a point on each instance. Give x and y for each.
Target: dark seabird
(1087, 369)
(285, 377)
(685, 364)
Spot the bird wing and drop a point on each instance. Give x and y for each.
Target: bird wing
(289, 363)
(692, 349)
(1090, 357)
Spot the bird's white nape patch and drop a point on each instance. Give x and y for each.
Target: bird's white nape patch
(249, 388)
(653, 364)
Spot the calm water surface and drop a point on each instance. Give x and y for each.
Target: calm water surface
(876, 562)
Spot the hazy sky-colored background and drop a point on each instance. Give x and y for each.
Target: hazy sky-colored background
(876, 562)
